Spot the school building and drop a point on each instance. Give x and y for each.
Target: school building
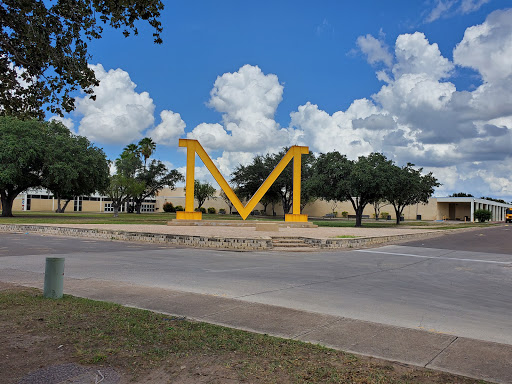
(437, 208)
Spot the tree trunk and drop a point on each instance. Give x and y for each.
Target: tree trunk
(59, 209)
(286, 205)
(7, 202)
(398, 214)
(116, 210)
(138, 206)
(359, 216)
(58, 205)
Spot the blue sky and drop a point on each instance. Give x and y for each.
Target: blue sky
(352, 76)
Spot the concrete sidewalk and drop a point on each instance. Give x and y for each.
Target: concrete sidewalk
(463, 356)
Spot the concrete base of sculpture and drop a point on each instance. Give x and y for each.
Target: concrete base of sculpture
(182, 215)
(298, 218)
(241, 223)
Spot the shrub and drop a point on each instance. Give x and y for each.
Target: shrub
(168, 207)
(202, 210)
(344, 214)
(178, 208)
(222, 211)
(483, 215)
(212, 210)
(384, 215)
(335, 214)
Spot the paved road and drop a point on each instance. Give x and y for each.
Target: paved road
(459, 284)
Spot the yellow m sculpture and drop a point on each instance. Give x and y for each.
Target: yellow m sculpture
(194, 147)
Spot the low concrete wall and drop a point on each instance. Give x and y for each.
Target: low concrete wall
(212, 241)
(193, 241)
(361, 242)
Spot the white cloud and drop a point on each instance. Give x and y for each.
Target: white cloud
(248, 100)
(375, 50)
(468, 6)
(445, 8)
(415, 55)
(487, 47)
(442, 7)
(169, 130)
(119, 114)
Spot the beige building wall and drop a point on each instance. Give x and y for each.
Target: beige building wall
(319, 208)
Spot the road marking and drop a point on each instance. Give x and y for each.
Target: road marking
(435, 257)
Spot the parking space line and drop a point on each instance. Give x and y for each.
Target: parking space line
(435, 257)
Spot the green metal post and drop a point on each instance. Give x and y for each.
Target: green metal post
(54, 277)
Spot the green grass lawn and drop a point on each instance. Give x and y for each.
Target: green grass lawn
(137, 342)
(163, 218)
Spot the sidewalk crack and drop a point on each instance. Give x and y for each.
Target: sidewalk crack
(444, 349)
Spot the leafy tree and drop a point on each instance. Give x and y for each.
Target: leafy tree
(203, 192)
(45, 154)
(134, 148)
(120, 188)
(155, 178)
(407, 186)
(146, 148)
(128, 164)
(483, 215)
(44, 53)
(361, 182)
(77, 168)
(461, 194)
(271, 198)
(377, 206)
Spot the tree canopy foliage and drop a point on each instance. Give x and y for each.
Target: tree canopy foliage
(407, 186)
(203, 192)
(135, 180)
(249, 179)
(46, 154)
(361, 182)
(44, 48)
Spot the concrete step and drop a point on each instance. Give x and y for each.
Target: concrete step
(289, 243)
(291, 249)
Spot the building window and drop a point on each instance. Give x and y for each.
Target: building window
(110, 208)
(77, 205)
(147, 208)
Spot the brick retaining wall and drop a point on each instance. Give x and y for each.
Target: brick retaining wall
(211, 241)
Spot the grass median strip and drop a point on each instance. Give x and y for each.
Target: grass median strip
(138, 343)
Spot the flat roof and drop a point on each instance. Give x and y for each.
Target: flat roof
(471, 199)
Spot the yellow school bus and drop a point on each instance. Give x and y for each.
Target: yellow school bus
(508, 217)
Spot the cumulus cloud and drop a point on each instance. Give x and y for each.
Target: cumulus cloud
(248, 100)
(487, 47)
(169, 130)
(119, 114)
(415, 55)
(375, 50)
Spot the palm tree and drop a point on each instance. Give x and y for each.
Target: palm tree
(133, 148)
(147, 146)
